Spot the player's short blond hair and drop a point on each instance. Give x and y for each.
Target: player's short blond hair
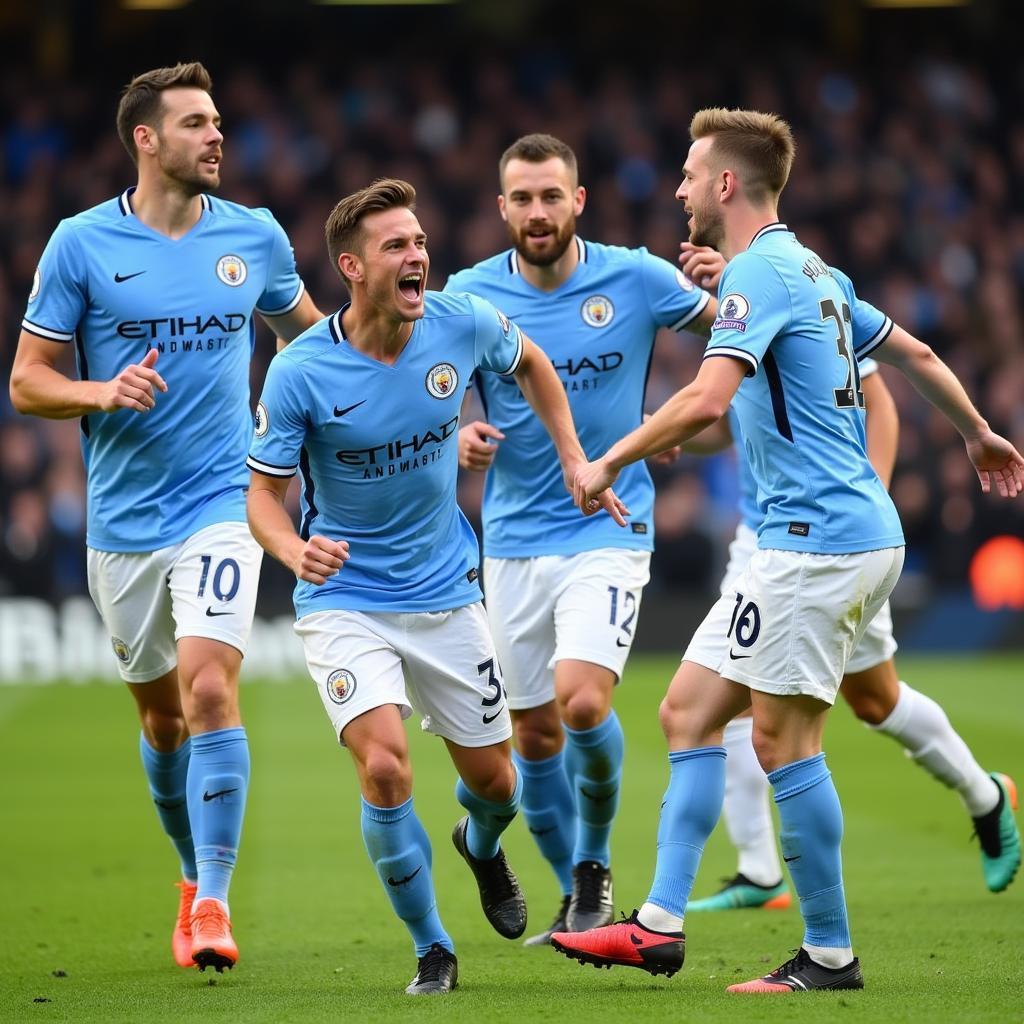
(141, 99)
(758, 147)
(342, 230)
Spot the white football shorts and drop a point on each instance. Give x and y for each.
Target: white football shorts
(440, 663)
(203, 586)
(876, 646)
(792, 619)
(552, 608)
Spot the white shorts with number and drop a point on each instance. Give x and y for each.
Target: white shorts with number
(792, 619)
(440, 663)
(876, 646)
(551, 608)
(203, 586)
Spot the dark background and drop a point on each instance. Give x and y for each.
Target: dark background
(909, 176)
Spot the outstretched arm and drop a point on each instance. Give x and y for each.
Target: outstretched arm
(994, 458)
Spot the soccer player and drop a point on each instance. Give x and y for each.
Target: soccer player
(784, 349)
(387, 601)
(871, 686)
(166, 273)
(563, 592)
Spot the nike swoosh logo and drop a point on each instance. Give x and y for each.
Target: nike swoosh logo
(213, 614)
(542, 831)
(348, 408)
(168, 807)
(220, 792)
(636, 940)
(789, 860)
(403, 881)
(120, 278)
(619, 643)
(598, 798)
(738, 657)
(490, 718)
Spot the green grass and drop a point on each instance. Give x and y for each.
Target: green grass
(86, 879)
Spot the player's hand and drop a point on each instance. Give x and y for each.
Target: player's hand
(998, 462)
(591, 490)
(701, 264)
(320, 559)
(133, 387)
(475, 450)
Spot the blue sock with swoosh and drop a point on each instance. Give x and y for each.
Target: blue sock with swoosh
(487, 819)
(690, 810)
(550, 812)
(811, 833)
(218, 781)
(167, 774)
(594, 765)
(400, 851)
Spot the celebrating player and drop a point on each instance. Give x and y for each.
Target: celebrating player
(563, 593)
(165, 273)
(388, 602)
(871, 686)
(830, 546)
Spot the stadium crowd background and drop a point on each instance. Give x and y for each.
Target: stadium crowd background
(910, 176)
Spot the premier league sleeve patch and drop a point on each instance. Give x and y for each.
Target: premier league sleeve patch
(684, 282)
(506, 324)
(733, 312)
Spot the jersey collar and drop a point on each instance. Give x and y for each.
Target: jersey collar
(337, 331)
(124, 201)
(513, 256)
(767, 229)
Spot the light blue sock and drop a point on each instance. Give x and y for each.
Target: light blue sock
(550, 812)
(218, 781)
(487, 820)
(400, 851)
(594, 764)
(167, 774)
(692, 805)
(811, 834)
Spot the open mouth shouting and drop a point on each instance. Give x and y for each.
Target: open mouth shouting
(410, 286)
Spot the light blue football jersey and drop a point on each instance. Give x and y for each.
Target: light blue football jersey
(377, 447)
(750, 511)
(598, 329)
(800, 411)
(116, 288)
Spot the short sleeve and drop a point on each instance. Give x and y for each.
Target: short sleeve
(870, 325)
(57, 302)
(499, 342)
(284, 287)
(753, 310)
(280, 425)
(673, 299)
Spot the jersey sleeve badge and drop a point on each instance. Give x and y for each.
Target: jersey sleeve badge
(733, 312)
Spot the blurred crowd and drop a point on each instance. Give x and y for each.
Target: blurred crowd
(910, 178)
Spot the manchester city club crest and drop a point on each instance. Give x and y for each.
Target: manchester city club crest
(232, 270)
(121, 649)
(341, 684)
(262, 423)
(597, 311)
(442, 380)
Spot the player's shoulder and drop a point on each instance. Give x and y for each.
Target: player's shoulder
(453, 303)
(259, 218)
(104, 214)
(497, 267)
(313, 343)
(618, 257)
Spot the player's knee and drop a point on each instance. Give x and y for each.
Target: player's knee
(768, 748)
(164, 730)
(677, 725)
(495, 781)
(387, 777)
(537, 741)
(586, 708)
(871, 708)
(212, 697)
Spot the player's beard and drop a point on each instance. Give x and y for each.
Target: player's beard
(552, 252)
(707, 226)
(183, 175)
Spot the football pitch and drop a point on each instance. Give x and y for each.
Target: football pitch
(88, 901)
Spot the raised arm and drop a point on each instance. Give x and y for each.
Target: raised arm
(994, 458)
